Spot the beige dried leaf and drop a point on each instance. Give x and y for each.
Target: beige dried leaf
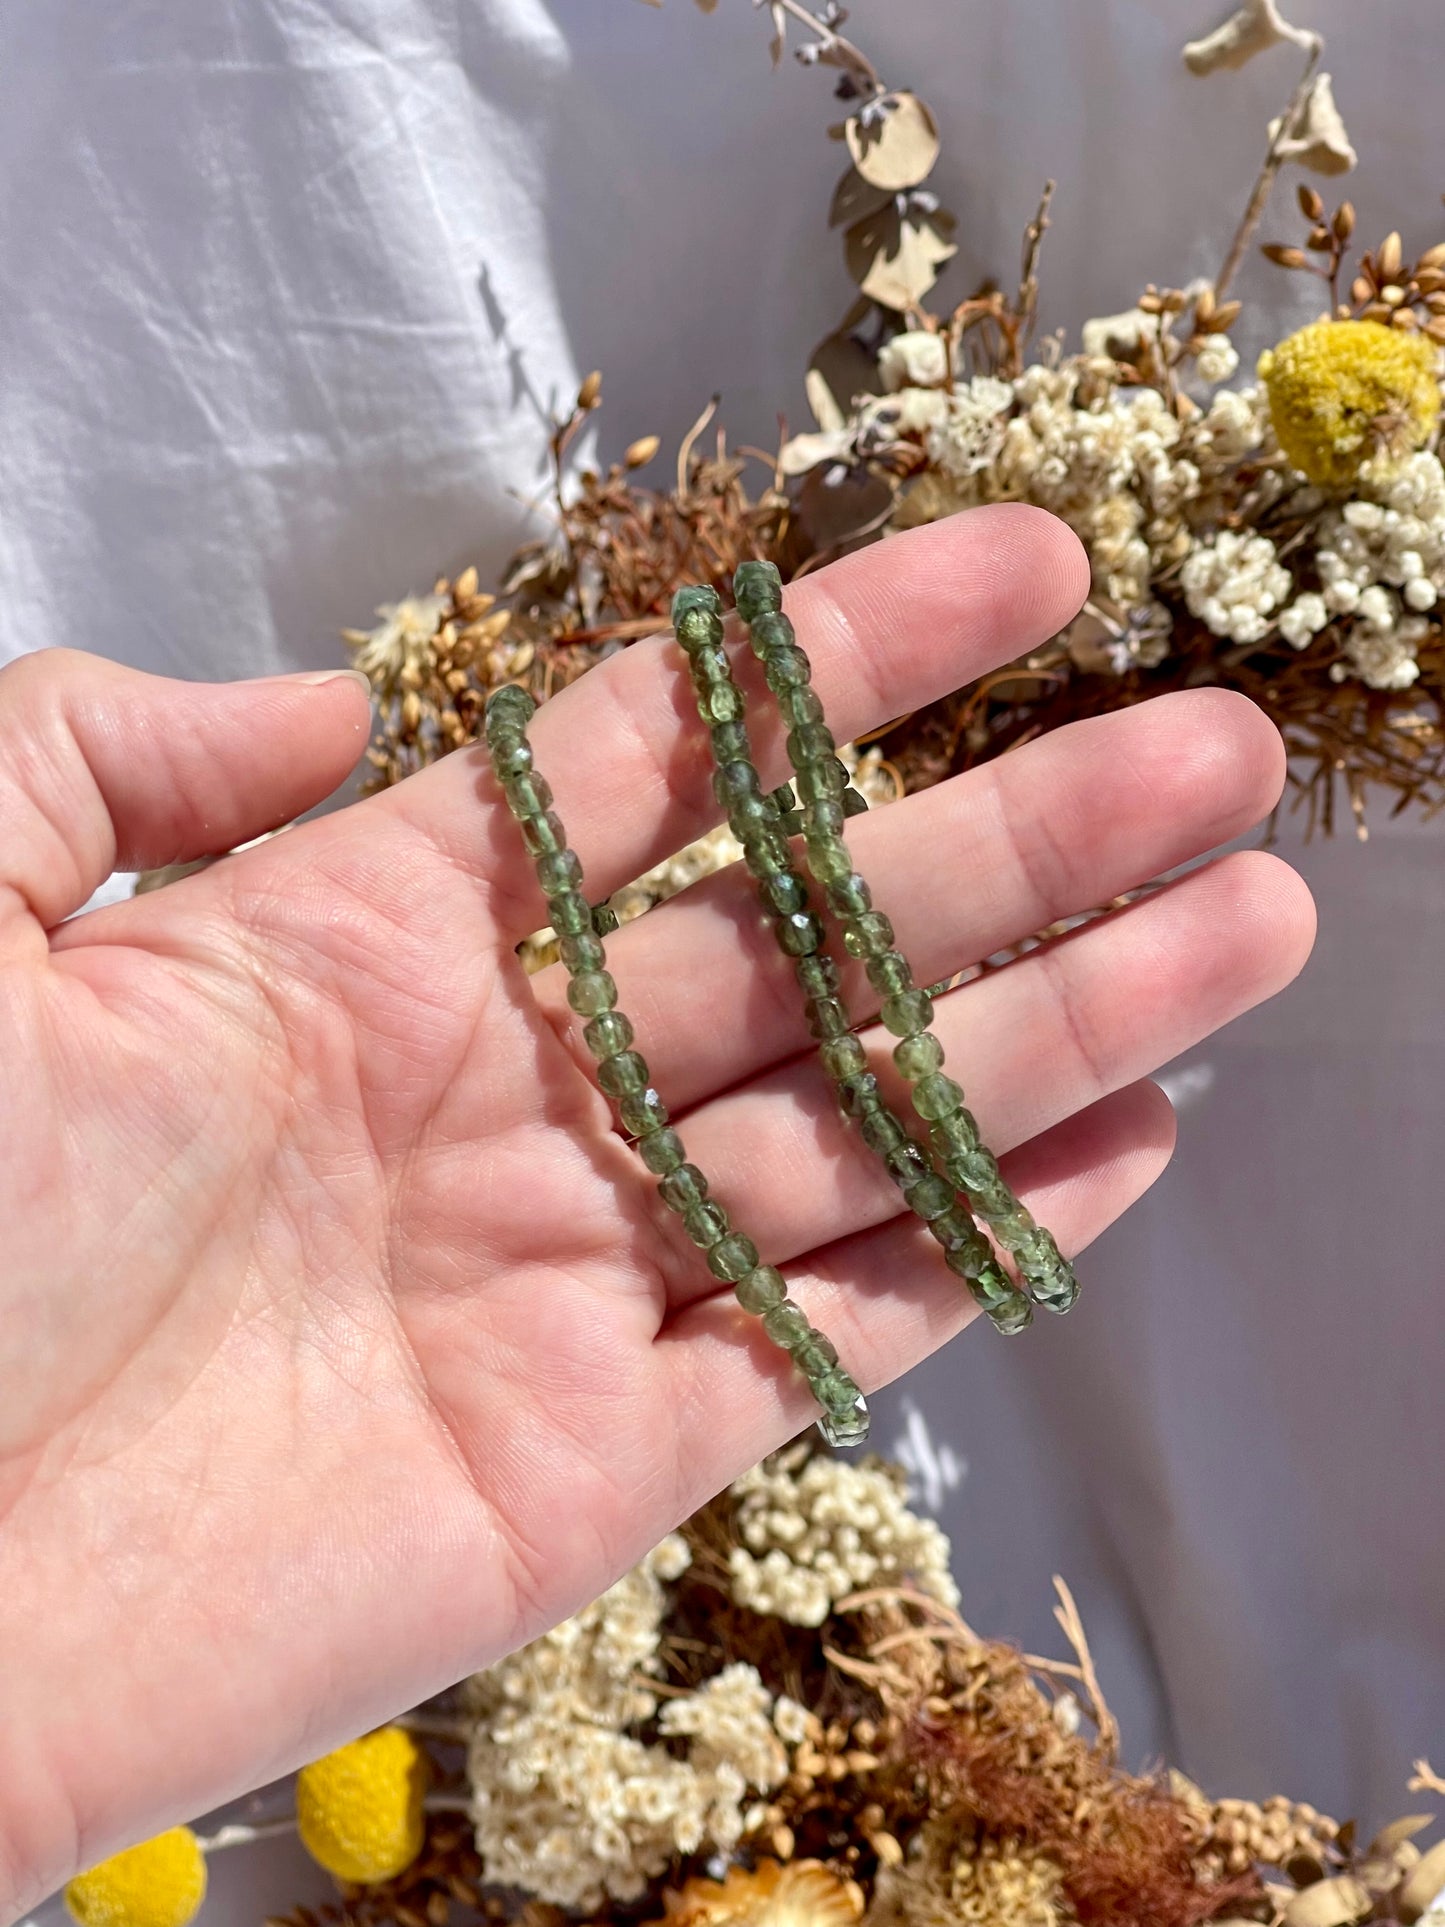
(803, 453)
(1319, 141)
(895, 260)
(1424, 1883)
(1397, 1833)
(894, 142)
(1248, 31)
(639, 453)
(1328, 1903)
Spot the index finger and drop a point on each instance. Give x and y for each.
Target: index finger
(889, 629)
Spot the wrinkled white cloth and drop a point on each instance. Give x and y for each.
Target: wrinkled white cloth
(287, 288)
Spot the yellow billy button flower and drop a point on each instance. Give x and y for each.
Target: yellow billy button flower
(160, 1883)
(359, 1810)
(1341, 392)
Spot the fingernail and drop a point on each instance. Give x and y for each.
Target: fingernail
(329, 675)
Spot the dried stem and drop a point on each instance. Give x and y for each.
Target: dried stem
(1273, 161)
(839, 51)
(1028, 301)
(1067, 1614)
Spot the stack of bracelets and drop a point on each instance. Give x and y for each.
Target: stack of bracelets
(951, 1183)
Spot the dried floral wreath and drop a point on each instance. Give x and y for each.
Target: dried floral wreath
(778, 1719)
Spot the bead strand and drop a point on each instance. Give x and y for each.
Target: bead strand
(760, 823)
(819, 778)
(623, 1074)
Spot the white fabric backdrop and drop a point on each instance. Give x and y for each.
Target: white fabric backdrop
(286, 287)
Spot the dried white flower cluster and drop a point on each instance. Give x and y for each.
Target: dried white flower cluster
(567, 1802)
(814, 1532)
(1235, 584)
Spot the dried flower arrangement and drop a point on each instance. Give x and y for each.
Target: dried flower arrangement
(1285, 537)
(779, 1719)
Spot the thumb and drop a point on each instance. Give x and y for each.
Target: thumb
(103, 768)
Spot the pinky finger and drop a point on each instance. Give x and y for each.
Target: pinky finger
(883, 1295)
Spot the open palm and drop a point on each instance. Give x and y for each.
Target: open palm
(343, 1343)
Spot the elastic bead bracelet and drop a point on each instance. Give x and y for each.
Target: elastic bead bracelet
(819, 778)
(623, 1074)
(760, 823)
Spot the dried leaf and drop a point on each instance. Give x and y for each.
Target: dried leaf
(1397, 1833)
(894, 142)
(1318, 140)
(1248, 31)
(854, 199)
(839, 506)
(805, 452)
(839, 369)
(895, 260)
(1424, 1883)
(1329, 1903)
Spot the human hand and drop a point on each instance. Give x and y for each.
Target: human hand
(343, 1345)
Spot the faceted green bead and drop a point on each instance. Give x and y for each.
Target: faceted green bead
(706, 1223)
(992, 1199)
(818, 976)
(786, 668)
(810, 744)
(799, 934)
(570, 914)
(767, 852)
(868, 935)
(695, 596)
(608, 1033)
(783, 799)
(528, 794)
(882, 1132)
(729, 742)
(770, 633)
(843, 1057)
(785, 893)
(936, 1096)
(930, 1197)
(709, 665)
(604, 919)
(662, 1152)
(510, 703)
(819, 781)
(801, 706)
(858, 1093)
(1025, 1238)
(955, 1133)
(968, 1256)
(890, 974)
(723, 703)
(642, 1111)
(543, 834)
(696, 625)
(762, 1290)
(849, 896)
(1054, 1286)
(816, 1356)
(511, 757)
(906, 1164)
(953, 1228)
(908, 1013)
(683, 1188)
(844, 1421)
(828, 857)
(584, 951)
(917, 1056)
(827, 1018)
(733, 781)
(826, 818)
(591, 992)
(976, 1170)
(560, 871)
(757, 588)
(732, 1258)
(1010, 1311)
(855, 803)
(625, 1072)
(748, 816)
(786, 1324)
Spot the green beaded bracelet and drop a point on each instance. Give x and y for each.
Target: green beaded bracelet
(622, 1073)
(697, 622)
(1046, 1274)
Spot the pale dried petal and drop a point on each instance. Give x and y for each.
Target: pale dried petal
(1320, 141)
(1248, 31)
